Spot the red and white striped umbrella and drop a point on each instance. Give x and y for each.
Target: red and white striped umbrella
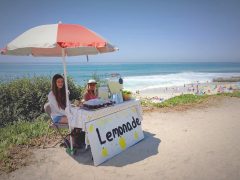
(48, 40)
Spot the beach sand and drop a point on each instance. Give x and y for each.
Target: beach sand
(161, 94)
(197, 143)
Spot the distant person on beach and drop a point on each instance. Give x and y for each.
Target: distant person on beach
(57, 99)
(91, 90)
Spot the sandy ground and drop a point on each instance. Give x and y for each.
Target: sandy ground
(197, 88)
(199, 143)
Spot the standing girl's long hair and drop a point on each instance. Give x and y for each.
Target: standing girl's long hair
(59, 94)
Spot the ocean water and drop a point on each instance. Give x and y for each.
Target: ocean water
(136, 76)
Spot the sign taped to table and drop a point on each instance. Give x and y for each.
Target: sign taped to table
(114, 133)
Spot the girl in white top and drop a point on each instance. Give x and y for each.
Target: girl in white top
(57, 100)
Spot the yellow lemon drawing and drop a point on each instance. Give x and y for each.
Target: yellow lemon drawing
(104, 152)
(91, 128)
(135, 135)
(122, 143)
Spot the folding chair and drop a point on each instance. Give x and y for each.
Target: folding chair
(55, 126)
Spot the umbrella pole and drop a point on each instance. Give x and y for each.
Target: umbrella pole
(67, 95)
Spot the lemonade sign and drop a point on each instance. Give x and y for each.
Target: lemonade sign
(114, 133)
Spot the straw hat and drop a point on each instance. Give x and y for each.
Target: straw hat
(92, 81)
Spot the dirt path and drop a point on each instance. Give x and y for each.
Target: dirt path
(199, 143)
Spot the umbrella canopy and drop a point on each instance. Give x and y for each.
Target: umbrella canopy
(48, 40)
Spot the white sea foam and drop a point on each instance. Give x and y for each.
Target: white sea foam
(134, 83)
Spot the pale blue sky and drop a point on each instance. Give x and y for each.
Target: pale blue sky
(144, 30)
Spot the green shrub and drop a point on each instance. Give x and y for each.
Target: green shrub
(233, 94)
(177, 100)
(23, 99)
(21, 133)
(76, 91)
(182, 99)
(126, 92)
(100, 80)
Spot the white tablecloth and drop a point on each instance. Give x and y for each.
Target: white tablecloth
(80, 116)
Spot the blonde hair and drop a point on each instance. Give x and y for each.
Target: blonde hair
(87, 89)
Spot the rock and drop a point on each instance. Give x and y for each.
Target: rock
(227, 79)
